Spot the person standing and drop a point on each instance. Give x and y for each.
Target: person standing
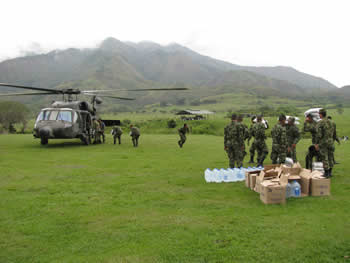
(258, 132)
(252, 147)
(135, 134)
(244, 133)
(102, 130)
(310, 126)
(182, 132)
(232, 141)
(117, 134)
(279, 141)
(97, 131)
(293, 137)
(335, 138)
(324, 142)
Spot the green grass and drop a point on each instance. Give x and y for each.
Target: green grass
(105, 203)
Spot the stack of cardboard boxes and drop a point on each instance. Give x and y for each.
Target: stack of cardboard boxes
(271, 183)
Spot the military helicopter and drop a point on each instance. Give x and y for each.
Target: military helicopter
(70, 118)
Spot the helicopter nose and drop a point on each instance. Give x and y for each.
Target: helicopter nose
(45, 132)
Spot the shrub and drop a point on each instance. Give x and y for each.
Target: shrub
(171, 123)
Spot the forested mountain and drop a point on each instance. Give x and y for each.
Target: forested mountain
(115, 64)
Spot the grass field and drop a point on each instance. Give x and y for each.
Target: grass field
(104, 203)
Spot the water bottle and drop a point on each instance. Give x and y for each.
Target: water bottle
(240, 174)
(224, 175)
(217, 175)
(208, 175)
(296, 189)
(230, 175)
(289, 190)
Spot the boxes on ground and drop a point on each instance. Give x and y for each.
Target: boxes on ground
(294, 170)
(320, 186)
(267, 174)
(272, 193)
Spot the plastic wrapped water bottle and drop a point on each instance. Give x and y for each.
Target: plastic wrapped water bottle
(296, 189)
(208, 175)
(224, 175)
(289, 190)
(240, 174)
(216, 173)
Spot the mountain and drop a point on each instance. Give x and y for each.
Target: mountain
(115, 64)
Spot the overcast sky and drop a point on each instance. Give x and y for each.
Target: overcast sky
(309, 35)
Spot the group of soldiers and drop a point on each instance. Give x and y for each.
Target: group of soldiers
(285, 136)
(99, 128)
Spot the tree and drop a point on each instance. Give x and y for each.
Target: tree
(12, 112)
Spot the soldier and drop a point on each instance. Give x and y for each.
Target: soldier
(97, 130)
(135, 134)
(258, 132)
(117, 133)
(102, 130)
(182, 132)
(335, 138)
(310, 126)
(324, 142)
(252, 147)
(245, 134)
(293, 137)
(232, 141)
(279, 141)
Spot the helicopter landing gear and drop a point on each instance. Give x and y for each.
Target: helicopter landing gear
(44, 141)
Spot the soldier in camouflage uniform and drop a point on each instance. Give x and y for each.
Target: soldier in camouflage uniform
(258, 132)
(97, 131)
(293, 137)
(135, 134)
(335, 138)
(310, 126)
(182, 133)
(324, 142)
(252, 147)
(117, 134)
(244, 131)
(279, 141)
(232, 142)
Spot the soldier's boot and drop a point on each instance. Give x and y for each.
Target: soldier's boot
(179, 143)
(261, 162)
(330, 172)
(251, 159)
(326, 173)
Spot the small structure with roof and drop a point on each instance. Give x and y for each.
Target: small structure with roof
(188, 115)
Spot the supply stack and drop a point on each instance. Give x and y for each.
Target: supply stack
(276, 183)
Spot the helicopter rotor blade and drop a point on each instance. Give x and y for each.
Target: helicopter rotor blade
(24, 94)
(116, 90)
(52, 91)
(110, 96)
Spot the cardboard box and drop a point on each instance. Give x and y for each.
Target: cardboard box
(271, 166)
(264, 176)
(247, 180)
(305, 179)
(272, 193)
(320, 186)
(295, 170)
(252, 180)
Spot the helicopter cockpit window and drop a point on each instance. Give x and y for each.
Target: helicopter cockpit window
(64, 116)
(53, 115)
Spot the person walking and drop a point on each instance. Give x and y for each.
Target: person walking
(182, 133)
(117, 134)
(135, 134)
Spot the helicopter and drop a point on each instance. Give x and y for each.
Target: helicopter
(70, 118)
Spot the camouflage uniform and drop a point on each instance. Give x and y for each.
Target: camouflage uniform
(182, 133)
(97, 130)
(279, 144)
(117, 133)
(135, 134)
(253, 146)
(324, 140)
(232, 143)
(293, 137)
(311, 127)
(258, 132)
(244, 134)
(102, 130)
(335, 138)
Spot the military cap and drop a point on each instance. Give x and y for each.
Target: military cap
(282, 117)
(323, 112)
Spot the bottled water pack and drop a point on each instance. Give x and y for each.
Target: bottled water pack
(227, 175)
(293, 189)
